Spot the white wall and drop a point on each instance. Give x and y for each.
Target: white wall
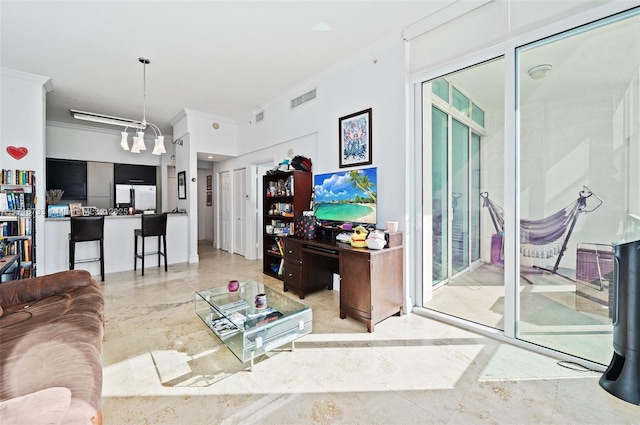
(22, 124)
(375, 78)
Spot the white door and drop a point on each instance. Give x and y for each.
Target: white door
(225, 212)
(239, 210)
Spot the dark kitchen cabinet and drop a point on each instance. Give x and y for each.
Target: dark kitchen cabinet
(68, 175)
(134, 174)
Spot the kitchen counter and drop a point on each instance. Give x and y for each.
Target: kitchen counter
(118, 244)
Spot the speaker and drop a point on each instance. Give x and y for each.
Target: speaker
(622, 377)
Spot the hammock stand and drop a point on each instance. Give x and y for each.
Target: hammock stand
(545, 237)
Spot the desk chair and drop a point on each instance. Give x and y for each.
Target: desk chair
(152, 225)
(86, 229)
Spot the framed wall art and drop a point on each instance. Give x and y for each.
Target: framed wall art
(182, 185)
(209, 178)
(209, 198)
(354, 132)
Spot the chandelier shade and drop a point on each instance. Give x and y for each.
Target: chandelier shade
(135, 147)
(159, 149)
(141, 144)
(124, 143)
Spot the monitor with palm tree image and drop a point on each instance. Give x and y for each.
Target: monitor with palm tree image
(346, 196)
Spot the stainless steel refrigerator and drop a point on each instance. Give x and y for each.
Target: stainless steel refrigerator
(140, 197)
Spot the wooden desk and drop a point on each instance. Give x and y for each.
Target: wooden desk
(371, 281)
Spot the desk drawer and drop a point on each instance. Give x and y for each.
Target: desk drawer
(292, 275)
(292, 251)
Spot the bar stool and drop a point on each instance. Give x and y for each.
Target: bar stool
(152, 225)
(86, 229)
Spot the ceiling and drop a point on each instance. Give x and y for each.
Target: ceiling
(225, 58)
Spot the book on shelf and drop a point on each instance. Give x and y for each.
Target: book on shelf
(17, 177)
(281, 268)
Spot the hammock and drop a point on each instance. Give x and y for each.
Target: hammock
(546, 237)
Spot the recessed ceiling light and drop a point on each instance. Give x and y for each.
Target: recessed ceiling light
(209, 157)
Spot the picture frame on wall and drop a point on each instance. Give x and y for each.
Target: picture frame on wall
(209, 182)
(182, 185)
(355, 140)
(209, 198)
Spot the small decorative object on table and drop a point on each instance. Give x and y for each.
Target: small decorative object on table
(54, 196)
(233, 286)
(376, 240)
(261, 301)
(359, 237)
(305, 227)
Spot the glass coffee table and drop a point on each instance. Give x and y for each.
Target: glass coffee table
(249, 331)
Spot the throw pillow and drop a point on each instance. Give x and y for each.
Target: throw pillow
(44, 407)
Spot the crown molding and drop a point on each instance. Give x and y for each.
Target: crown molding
(45, 81)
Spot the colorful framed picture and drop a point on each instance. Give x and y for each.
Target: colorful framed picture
(182, 185)
(354, 132)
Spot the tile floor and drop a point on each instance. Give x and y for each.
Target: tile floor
(163, 366)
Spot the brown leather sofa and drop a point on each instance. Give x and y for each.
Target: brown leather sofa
(51, 331)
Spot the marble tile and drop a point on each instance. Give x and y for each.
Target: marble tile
(163, 366)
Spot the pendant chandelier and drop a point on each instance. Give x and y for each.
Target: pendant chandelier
(138, 140)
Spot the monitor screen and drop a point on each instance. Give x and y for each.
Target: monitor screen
(346, 196)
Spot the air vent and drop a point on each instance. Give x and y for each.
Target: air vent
(303, 99)
(259, 116)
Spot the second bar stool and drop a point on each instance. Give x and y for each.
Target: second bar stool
(86, 229)
(152, 225)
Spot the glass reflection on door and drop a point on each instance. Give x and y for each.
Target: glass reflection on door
(459, 196)
(440, 191)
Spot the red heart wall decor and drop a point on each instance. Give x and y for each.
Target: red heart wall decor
(17, 153)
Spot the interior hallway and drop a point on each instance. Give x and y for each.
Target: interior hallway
(163, 366)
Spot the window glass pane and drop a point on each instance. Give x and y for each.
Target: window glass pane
(460, 101)
(459, 196)
(439, 164)
(466, 262)
(440, 88)
(477, 114)
(578, 143)
(474, 204)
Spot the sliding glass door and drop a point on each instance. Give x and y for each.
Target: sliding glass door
(458, 148)
(578, 98)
